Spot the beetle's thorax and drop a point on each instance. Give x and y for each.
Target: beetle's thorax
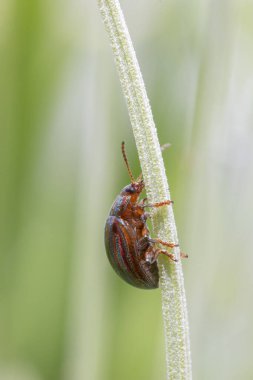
(126, 202)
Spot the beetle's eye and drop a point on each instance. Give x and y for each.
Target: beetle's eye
(130, 190)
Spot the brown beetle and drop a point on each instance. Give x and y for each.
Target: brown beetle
(130, 249)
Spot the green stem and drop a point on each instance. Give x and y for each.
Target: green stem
(174, 307)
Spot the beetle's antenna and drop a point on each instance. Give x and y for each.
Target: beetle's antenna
(139, 179)
(126, 161)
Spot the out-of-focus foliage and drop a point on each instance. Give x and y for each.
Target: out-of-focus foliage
(63, 313)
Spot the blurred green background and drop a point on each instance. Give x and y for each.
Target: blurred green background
(64, 314)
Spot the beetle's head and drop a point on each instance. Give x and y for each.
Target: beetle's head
(133, 189)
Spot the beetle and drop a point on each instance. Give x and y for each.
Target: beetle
(131, 251)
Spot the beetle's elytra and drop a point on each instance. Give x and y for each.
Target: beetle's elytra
(129, 247)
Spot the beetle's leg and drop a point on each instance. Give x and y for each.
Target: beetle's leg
(142, 202)
(170, 255)
(166, 253)
(151, 255)
(159, 241)
(158, 204)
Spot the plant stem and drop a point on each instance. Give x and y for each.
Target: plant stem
(174, 307)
